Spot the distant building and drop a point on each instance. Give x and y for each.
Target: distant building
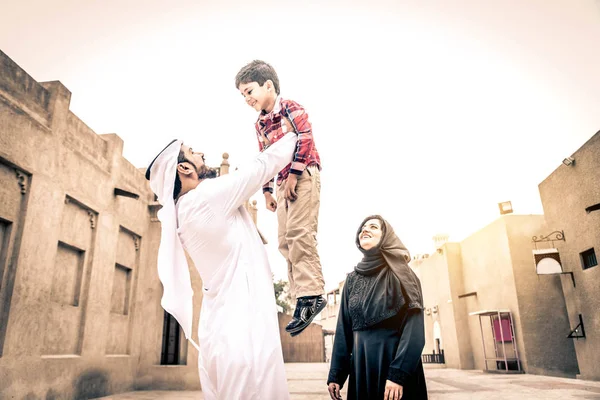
(486, 308)
(531, 281)
(328, 317)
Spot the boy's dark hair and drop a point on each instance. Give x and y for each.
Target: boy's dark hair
(177, 187)
(257, 71)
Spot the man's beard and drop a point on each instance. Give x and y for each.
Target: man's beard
(206, 172)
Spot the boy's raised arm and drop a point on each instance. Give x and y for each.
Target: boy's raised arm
(237, 187)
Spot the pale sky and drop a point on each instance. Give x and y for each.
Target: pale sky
(427, 112)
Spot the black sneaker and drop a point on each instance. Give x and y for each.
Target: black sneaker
(306, 310)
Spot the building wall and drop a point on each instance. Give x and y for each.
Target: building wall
(453, 254)
(493, 269)
(80, 311)
(487, 270)
(435, 283)
(542, 308)
(565, 195)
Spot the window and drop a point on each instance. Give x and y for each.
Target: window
(68, 274)
(588, 259)
(4, 238)
(120, 290)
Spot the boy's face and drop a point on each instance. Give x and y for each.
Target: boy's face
(259, 97)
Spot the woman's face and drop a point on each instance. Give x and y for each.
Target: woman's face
(370, 234)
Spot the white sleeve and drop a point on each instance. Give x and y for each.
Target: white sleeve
(234, 189)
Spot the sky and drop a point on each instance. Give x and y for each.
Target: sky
(429, 113)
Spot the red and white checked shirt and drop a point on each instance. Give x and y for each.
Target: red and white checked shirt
(269, 125)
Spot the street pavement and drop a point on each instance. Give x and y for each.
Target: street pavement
(306, 381)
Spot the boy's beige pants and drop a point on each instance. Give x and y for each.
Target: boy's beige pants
(297, 233)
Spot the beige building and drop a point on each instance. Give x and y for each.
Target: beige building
(486, 307)
(80, 313)
(530, 279)
(571, 200)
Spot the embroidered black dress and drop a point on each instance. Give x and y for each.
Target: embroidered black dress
(371, 354)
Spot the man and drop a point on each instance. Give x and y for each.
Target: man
(240, 354)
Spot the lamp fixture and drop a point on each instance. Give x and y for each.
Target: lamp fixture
(505, 207)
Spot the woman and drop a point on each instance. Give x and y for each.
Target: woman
(380, 333)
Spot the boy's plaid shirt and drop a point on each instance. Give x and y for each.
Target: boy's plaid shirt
(269, 125)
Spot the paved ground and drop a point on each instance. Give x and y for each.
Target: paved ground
(307, 382)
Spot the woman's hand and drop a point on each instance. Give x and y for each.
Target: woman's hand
(393, 391)
(334, 391)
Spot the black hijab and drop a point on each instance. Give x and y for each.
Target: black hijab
(396, 284)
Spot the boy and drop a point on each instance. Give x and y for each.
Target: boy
(298, 188)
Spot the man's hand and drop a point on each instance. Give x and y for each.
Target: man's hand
(290, 187)
(334, 391)
(393, 391)
(270, 201)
